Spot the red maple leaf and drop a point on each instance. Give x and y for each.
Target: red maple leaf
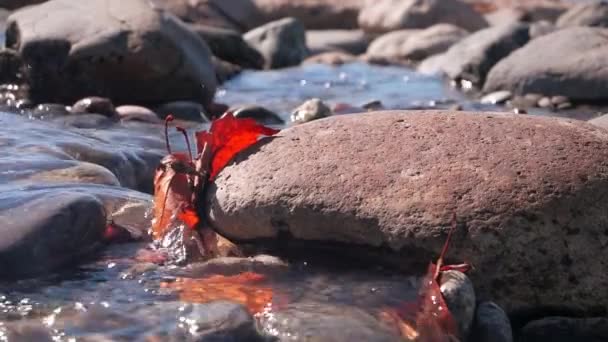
(227, 137)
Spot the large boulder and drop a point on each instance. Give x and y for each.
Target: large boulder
(585, 14)
(124, 50)
(473, 57)
(580, 72)
(281, 42)
(416, 44)
(390, 15)
(230, 46)
(527, 191)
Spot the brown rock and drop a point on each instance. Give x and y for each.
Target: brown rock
(528, 193)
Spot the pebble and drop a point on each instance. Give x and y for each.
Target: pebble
(94, 105)
(459, 295)
(259, 114)
(310, 110)
(497, 97)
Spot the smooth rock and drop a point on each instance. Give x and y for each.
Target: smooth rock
(416, 44)
(225, 70)
(137, 113)
(473, 57)
(390, 15)
(432, 65)
(497, 97)
(565, 329)
(491, 324)
(281, 42)
(310, 110)
(40, 235)
(350, 41)
(80, 173)
(258, 113)
(526, 190)
(94, 105)
(123, 50)
(580, 73)
(314, 14)
(312, 321)
(593, 13)
(229, 46)
(85, 121)
(506, 16)
(331, 58)
(45, 111)
(184, 110)
(457, 290)
(229, 266)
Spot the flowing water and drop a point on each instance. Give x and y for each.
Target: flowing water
(120, 295)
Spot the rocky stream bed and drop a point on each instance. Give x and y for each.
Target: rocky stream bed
(396, 116)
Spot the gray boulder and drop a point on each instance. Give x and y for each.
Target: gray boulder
(281, 42)
(351, 41)
(230, 46)
(580, 73)
(473, 57)
(123, 50)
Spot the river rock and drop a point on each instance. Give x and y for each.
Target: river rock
(416, 44)
(457, 290)
(258, 113)
(79, 173)
(506, 16)
(94, 105)
(313, 321)
(281, 42)
(331, 58)
(390, 15)
(42, 234)
(579, 74)
(594, 13)
(225, 70)
(565, 329)
(526, 190)
(351, 41)
(310, 110)
(601, 121)
(229, 45)
(125, 51)
(473, 57)
(491, 324)
(184, 110)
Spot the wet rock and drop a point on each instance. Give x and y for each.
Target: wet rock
(351, 41)
(79, 173)
(416, 44)
(562, 329)
(281, 42)
(314, 14)
(229, 46)
(260, 114)
(331, 58)
(142, 55)
(218, 321)
(432, 65)
(225, 70)
(601, 121)
(497, 97)
(473, 57)
(491, 324)
(45, 111)
(42, 234)
(390, 15)
(519, 208)
(594, 13)
(544, 102)
(137, 113)
(85, 121)
(184, 110)
(28, 331)
(578, 74)
(310, 110)
(264, 264)
(457, 290)
(94, 105)
(312, 321)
